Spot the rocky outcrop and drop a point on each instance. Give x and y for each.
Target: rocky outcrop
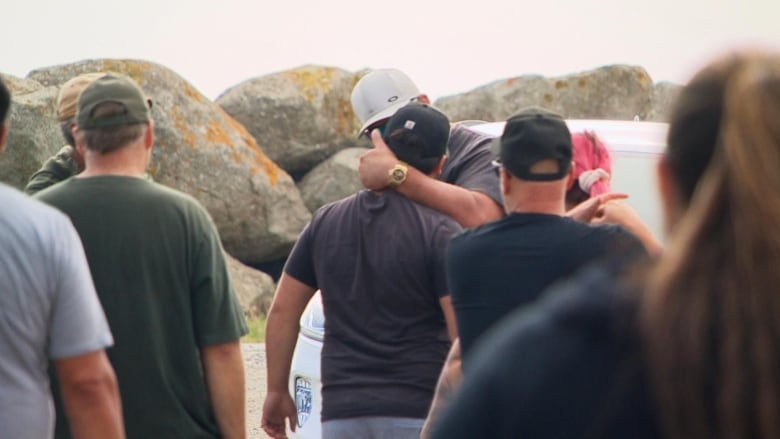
(333, 179)
(300, 116)
(201, 150)
(254, 289)
(664, 94)
(611, 92)
(34, 134)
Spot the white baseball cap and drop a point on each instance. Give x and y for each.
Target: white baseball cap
(379, 94)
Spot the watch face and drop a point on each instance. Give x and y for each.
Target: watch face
(398, 174)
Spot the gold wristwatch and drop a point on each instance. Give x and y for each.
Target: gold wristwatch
(397, 175)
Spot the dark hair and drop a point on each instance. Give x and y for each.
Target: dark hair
(67, 133)
(711, 315)
(111, 138)
(411, 148)
(5, 101)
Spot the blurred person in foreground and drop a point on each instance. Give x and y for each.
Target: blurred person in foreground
(687, 347)
(49, 311)
(68, 161)
(160, 273)
(378, 259)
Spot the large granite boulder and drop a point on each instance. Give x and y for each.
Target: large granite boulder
(610, 92)
(254, 289)
(333, 179)
(34, 135)
(664, 95)
(201, 150)
(300, 117)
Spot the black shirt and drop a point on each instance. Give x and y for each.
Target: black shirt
(508, 263)
(378, 260)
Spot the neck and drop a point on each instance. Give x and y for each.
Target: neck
(551, 207)
(535, 197)
(130, 160)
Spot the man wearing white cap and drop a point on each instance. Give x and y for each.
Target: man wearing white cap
(467, 189)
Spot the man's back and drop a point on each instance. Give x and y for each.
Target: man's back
(378, 260)
(509, 263)
(47, 309)
(161, 278)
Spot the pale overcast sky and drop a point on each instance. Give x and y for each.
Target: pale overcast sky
(446, 47)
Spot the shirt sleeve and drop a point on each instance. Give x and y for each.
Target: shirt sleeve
(471, 163)
(217, 315)
(300, 264)
(57, 168)
(78, 324)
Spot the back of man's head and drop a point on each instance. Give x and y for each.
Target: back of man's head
(418, 134)
(536, 145)
(5, 101)
(112, 112)
(379, 94)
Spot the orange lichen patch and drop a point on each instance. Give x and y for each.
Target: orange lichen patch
(190, 91)
(582, 82)
(312, 81)
(643, 77)
(548, 98)
(260, 160)
(345, 117)
(134, 69)
(215, 134)
(511, 81)
(559, 85)
(183, 128)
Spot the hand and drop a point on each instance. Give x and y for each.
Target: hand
(586, 210)
(616, 212)
(375, 163)
(278, 406)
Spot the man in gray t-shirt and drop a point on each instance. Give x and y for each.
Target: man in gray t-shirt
(49, 311)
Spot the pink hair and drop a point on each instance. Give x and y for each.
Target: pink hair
(590, 153)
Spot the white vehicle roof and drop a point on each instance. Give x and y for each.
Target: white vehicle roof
(620, 136)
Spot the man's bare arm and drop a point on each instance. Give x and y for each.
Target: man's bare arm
(281, 334)
(223, 365)
(449, 381)
(91, 396)
(469, 208)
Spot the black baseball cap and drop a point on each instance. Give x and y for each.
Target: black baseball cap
(116, 88)
(530, 136)
(418, 134)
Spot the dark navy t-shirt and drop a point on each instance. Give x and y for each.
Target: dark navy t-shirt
(568, 366)
(508, 263)
(378, 260)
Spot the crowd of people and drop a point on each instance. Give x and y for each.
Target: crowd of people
(477, 287)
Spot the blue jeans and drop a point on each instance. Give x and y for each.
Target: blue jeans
(379, 427)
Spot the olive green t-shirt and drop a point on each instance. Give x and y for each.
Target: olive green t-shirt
(161, 277)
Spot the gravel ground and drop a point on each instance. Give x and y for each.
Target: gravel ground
(254, 361)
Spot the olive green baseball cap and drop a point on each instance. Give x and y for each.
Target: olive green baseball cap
(115, 88)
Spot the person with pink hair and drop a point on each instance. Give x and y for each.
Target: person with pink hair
(592, 168)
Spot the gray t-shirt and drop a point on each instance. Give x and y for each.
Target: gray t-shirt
(48, 310)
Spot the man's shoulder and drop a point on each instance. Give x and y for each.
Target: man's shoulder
(20, 207)
(465, 141)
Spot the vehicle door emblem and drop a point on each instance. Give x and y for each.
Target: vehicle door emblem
(302, 399)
